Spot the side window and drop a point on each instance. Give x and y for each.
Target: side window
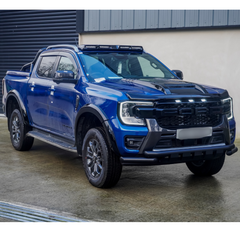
(45, 68)
(66, 64)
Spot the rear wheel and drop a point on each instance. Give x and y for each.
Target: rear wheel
(102, 166)
(18, 132)
(206, 167)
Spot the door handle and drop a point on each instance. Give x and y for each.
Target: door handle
(52, 90)
(32, 86)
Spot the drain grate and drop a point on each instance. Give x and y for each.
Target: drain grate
(26, 214)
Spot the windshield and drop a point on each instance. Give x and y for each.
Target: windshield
(101, 66)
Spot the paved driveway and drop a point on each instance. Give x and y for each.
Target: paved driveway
(54, 179)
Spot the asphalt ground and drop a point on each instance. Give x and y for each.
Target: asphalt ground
(54, 179)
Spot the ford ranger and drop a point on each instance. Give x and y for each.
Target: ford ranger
(117, 105)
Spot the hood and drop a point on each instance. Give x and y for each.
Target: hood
(139, 89)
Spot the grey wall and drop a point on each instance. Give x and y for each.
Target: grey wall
(117, 20)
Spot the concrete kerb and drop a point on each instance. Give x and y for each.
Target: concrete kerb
(21, 212)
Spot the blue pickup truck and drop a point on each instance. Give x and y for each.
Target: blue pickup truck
(117, 105)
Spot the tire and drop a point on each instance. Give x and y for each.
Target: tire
(206, 167)
(102, 166)
(18, 132)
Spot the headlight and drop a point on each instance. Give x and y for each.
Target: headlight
(126, 112)
(228, 107)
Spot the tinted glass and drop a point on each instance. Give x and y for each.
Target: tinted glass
(45, 68)
(123, 65)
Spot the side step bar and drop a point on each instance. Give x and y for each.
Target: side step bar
(51, 139)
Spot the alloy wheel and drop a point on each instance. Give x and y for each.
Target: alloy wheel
(16, 131)
(94, 158)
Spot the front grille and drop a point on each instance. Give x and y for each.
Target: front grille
(186, 114)
(189, 121)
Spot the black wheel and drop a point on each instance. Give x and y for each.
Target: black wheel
(102, 166)
(18, 132)
(206, 167)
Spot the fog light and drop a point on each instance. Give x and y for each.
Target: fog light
(232, 134)
(133, 142)
(217, 139)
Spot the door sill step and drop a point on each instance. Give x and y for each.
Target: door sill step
(47, 138)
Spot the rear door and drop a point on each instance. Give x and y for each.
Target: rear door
(39, 88)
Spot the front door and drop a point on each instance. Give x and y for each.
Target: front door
(63, 100)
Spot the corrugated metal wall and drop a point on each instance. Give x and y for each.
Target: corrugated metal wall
(23, 33)
(110, 20)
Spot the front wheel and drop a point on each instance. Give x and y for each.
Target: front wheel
(206, 167)
(102, 166)
(18, 132)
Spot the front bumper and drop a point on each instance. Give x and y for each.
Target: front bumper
(150, 155)
(179, 155)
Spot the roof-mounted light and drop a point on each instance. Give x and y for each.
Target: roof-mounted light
(111, 47)
(133, 48)
(97, 47)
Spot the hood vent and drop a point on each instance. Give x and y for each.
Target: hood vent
(183, 89)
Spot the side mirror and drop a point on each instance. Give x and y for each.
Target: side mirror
(178, 73)
(65, 76)
(60, 75)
